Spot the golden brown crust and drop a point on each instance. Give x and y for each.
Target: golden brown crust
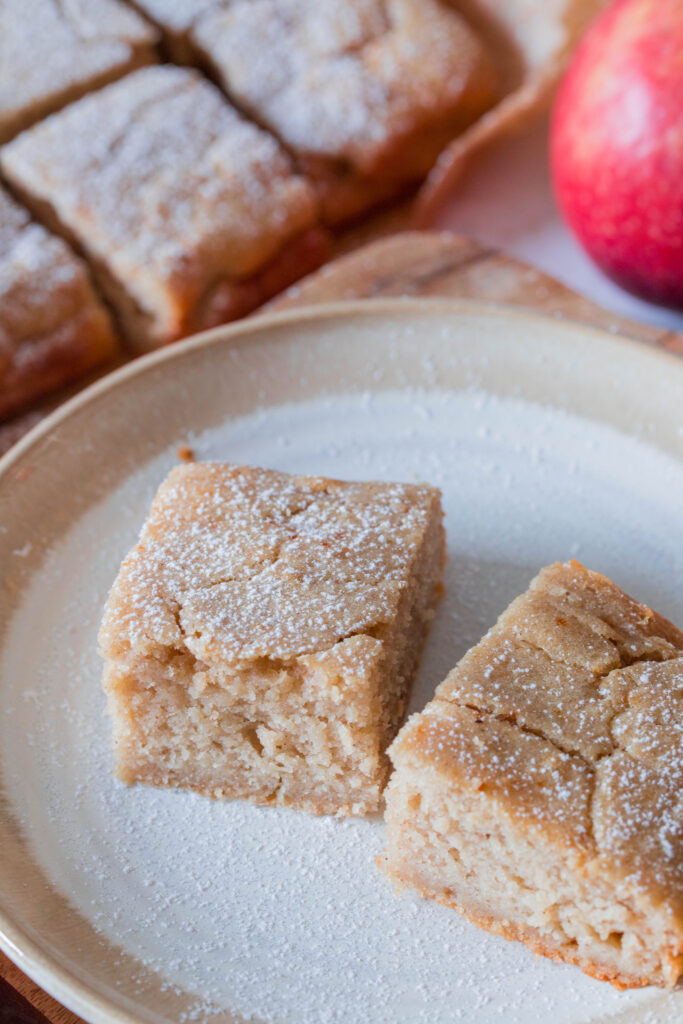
(53, 329)
(530, 937)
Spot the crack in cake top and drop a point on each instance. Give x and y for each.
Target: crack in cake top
(238, 563)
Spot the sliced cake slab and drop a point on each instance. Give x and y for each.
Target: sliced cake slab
(53, 328)
(540, 792)
(365, 93)
(189, 215)
(52, 52)
(261, 639)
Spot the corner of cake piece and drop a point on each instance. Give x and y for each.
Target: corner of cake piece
(54, 53)
(53, 328)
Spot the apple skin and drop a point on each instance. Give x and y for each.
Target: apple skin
(616, 146)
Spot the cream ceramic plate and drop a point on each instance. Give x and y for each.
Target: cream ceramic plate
(548, 439)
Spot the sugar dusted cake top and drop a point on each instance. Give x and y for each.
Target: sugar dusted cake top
(570, 712)
(552, 659)
(344, 78)
(241, 563)
(159, 175)
(47, 47)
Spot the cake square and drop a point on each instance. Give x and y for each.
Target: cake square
(539, 793)
(365, 93)
(261, 639)
(189, 215)
(53, 329)
(52, 53)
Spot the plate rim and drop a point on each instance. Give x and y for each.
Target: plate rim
(26, 953)
(237, 333)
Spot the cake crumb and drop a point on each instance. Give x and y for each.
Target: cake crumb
(185, 453)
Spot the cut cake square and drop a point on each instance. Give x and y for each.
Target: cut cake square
(540, 792)
(261, 639)
(53, 328)
(52, 52)
(365, 93)
(189, 215)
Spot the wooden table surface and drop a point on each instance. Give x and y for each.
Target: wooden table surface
(408, 263)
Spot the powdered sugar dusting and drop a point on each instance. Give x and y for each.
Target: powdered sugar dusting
(345, 80)
(274, 914)
(154, 173)
(249, 563)
(49, 47)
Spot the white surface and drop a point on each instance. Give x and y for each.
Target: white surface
(506, 201)
(276, 913)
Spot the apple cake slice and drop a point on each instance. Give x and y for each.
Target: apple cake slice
(189, 215)
(540, 793)
(261, 639)
(365, 93)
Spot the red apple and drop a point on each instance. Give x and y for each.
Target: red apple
(617, 146)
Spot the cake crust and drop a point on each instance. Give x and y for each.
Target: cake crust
(539, 792)
(279, 618)
(528, 936)
(186, 212)
(53, 329)
(366, 93)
